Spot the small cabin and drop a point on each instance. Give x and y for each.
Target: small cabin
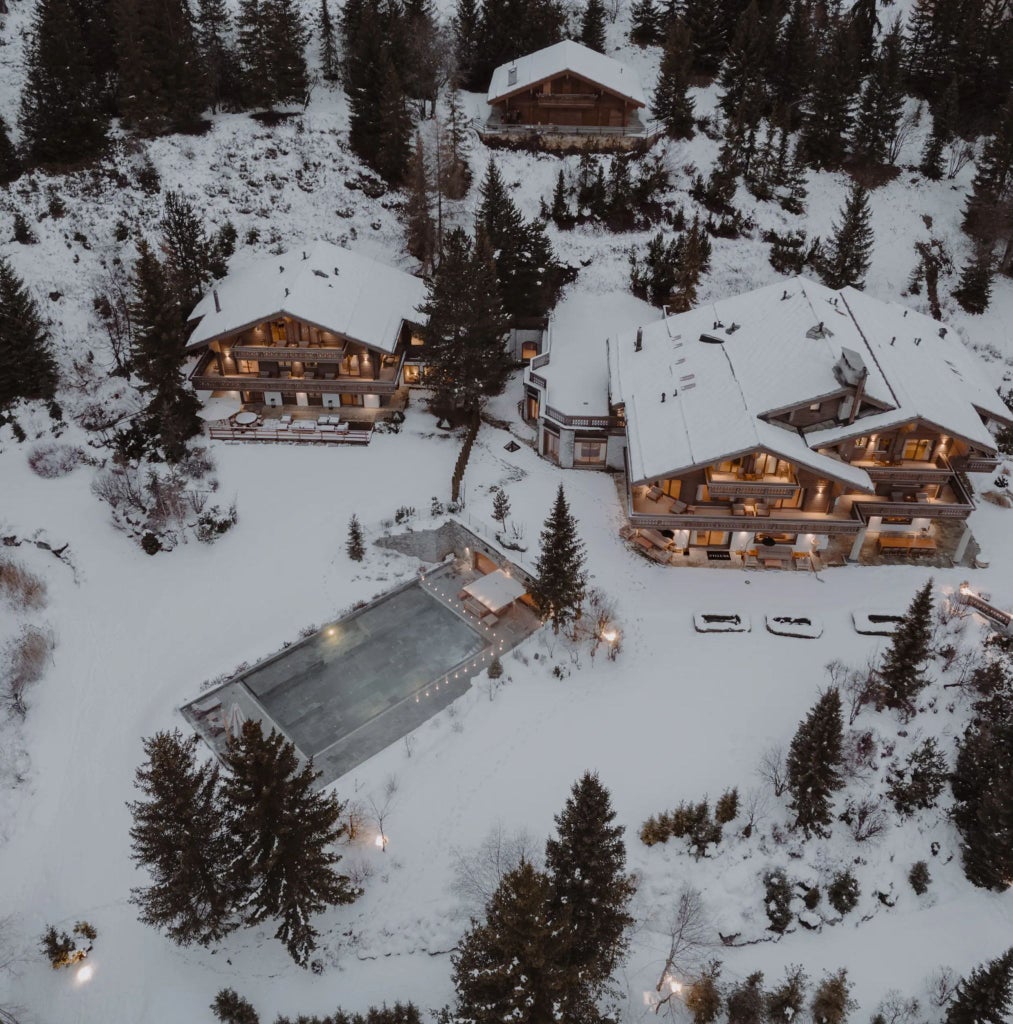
(566, 85)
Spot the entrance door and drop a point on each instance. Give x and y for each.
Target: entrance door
(301, 398)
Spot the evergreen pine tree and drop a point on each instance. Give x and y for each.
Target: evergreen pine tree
(466, 358)
(902, 673)
(215, 54)
(592, 25)
(286, 40)
(710, 31)
(10, 165)
(985, 996)
(559, 211)
(330, 66)
(455, 148)
(231, 1008)
(27, 367)
(743, 73)
(882, 101)
(562, 577)
(945, 115)
(354, 545)
(285, 829)
(466, 27)
(254, 53)
(917, 785)
(645, 23)
(507, 966)
(181, 836)
(62, 118)
(829, 110)
(159, 351)
(501, 508)
(794, 60)
(983, 792)
(974, 292)
(159, 82)
(988, 214)
(813, 762)
(395, 125)
(848, 251)
(526, 267)
(672, 105)
(187, 250)
(420, 231)
(794, 188)
(591, 892)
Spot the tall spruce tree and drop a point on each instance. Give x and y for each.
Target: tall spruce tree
(286, 37)
(63, 119)
(645, 23)
(902, 672)
(10, 164)
(330, 65)
(743, 76)
(985, 996)
(983, 792)
(170, 418)
(526, 266)
(945, 116)
(395, 124)
(814, 759)
(27, 367)
(561, 579)
(988, 214)
(829, 109)
(254, 53)
(181, 836)
(285, 830)
(711, 29)
(507, 967)
(592, 25)
(974, 291)
(160, 85)
(466, 27)
(466, 359)
(188, 250)
(848, 252)
(591, 892)
(420, 231)
(216, 57)
(882, 101)
(672, 105)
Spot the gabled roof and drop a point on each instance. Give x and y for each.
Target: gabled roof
(561, 57)
(326, 285)
(723, 366)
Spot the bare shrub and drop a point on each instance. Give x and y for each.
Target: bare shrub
(359, 871)
(51, 459)
(858, 753)
(755, 807)
(772, 769)
(865, 818)
(689, 937)
(354, 819)
(23, 663)
(21, 589)
(894, 1008)
(941, 984)
(477, 872)
(857, 686)
(198, 463)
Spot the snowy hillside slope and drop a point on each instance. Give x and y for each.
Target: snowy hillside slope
(679, 715)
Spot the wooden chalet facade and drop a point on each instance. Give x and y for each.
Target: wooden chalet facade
(785, 423)
(565, 85)
(322, 327)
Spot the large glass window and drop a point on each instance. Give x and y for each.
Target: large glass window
(550, 445)
(249, 366)
(709, 538)
(673, 488)
(918, 451)
(588, 452)
(278, 331)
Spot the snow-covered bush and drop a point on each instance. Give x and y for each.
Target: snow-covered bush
(52, 459)
(843, 892)
(215, 522)
(23, 662)
(778, 896)
(919, 877)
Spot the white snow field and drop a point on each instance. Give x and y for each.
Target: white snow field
(680, 714)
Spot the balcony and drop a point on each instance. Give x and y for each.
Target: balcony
(750, 485)
(976, 464)
(211, 381)
(297, 353)
(666, 514)
(590, 422)
(952, 502)
(929, 471)
(567, 99)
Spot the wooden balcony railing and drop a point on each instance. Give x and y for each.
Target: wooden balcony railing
(293, 385)
(776, 522)
(726, 485)
(300, 353)
(976, 464)
(927, 472)
(595, 422)
(567, 99)
(912, 509)
(234, 433)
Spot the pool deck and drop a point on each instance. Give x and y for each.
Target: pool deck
(345, 715)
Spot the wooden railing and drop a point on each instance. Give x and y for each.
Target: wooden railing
(912, 509)
(733, 488)
(929, 472)
(708, 520)
(567, 99)
(976, 463)
(236, 433)
(595, 422)
(291, 385)
(273, 353)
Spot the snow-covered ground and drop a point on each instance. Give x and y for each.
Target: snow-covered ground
(678, 715)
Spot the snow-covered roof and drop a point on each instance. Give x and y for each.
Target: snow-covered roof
(326, 285)
(524, 72)
(778, 347)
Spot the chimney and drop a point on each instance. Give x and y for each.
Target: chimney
(336, 272)
(893, 339)
(639, 344)
(662, 396)
(918, 341)
(281, 269)
(304, 256)
(512, 76)
(784, 294)
(286, 293)
(218, 305)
